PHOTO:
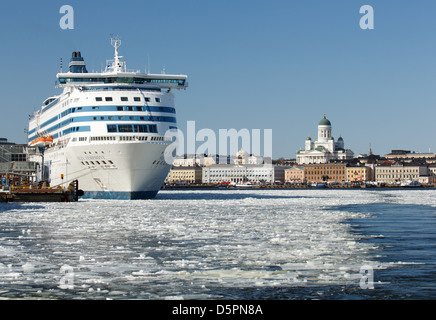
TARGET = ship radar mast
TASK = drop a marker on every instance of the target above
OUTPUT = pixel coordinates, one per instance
(117, 65)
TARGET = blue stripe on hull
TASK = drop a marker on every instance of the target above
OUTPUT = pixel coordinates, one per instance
(119, 195)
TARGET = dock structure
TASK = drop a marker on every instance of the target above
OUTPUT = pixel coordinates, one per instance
(42, 194)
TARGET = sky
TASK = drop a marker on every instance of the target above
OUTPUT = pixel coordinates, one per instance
(278, 64)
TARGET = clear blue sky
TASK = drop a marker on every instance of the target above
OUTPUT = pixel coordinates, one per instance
(251, 64)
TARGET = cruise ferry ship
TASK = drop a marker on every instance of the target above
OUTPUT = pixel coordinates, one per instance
(107, 130)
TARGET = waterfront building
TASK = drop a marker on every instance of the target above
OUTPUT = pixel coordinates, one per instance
(328, 172)
(294, 174)
(407, 154)
(238, 173)
(195, 160)
(15, 167)
(324, 148)
(358, 173)
(279, 173)
(398, 172)
(242, 157)
(432, 172)
(190, 174)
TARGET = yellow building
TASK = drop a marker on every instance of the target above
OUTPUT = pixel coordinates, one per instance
(294, 174)
(184, 175)
(331, 172)
(358, 173)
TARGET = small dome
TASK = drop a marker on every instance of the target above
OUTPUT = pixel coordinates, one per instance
(309, 138)
(324, 122)
(340, 139)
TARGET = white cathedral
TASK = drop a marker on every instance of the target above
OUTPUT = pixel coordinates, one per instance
(324, 148)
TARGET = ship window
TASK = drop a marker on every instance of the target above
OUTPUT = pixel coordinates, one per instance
(153, 128)
(111, 128)
(110, 118)
(147, 99)
(129, 108)
(101, 118)
(136, 98)
(95, 108)
(141, 118)
(120, 118)
(157, 99)
(138, 108)
(140, 128)
(119, 108)
(124, 99)
(110, 161)
(98, 99)
(108, 98)
(131, 118)
(125, 128)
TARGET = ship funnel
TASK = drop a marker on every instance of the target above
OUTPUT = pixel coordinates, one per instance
(77, 64)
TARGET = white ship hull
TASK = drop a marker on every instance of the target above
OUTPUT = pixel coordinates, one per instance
(130, 170)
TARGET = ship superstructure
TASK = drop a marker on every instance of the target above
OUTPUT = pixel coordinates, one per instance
(107, 129)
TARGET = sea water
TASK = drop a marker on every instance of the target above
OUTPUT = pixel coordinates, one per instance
(224, 244)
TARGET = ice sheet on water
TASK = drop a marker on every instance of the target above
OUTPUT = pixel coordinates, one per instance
(184, 242)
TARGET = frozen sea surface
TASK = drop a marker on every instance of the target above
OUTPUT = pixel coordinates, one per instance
(238, 244)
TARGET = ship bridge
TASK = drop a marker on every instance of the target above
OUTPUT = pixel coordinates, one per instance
(116, 73)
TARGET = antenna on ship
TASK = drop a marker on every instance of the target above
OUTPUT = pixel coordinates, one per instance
(116, 43)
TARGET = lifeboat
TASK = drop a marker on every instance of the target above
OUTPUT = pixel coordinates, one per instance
(42, 141)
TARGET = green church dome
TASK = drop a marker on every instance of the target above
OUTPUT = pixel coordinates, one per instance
(324, 122)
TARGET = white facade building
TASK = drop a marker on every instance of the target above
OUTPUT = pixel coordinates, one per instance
(238, 173)
(325, 148)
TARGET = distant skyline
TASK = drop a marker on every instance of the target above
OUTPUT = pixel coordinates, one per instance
(276, 65)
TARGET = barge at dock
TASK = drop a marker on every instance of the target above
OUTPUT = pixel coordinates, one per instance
(42, 194)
